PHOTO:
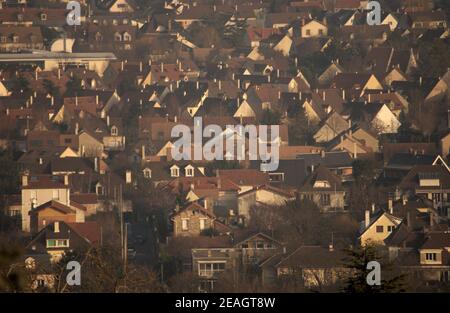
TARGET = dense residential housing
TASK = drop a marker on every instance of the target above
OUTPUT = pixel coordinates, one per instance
(138, 142)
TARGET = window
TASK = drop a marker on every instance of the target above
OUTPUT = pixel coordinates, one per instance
(117, 37)
(15, 39)
(325, 199)
(57, 243)
(147, 173)
(55, 194)
(244, 246)
(99, 190)
(430, 256)
(43, 17)
(308, 32)
(380, 229)
(189, 171)
(175, 171)
(320, 32)
(3, 38)
(260, 245)
(202, 223)
(390, 229)
(184, 224)
(126, 37)
(209, 269)
(114, 131)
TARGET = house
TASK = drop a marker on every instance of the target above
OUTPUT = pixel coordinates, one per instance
(355, 84)
(435, 252)
(52, 211)
(431, 182)
(39, 189)
(246, 179)
(122, 6)
(192, 220)
(314, 266)
(331, 126)
(90, 145)
(430, 19)
(384, 120)
(314, 29)
(17, 38)
(399, 165)
(328, 75)
(230, 254)
(285, 46)
(377, 227)
(440, 90)
(324, 189)
(339, 163)
(264, 195)
(57, 238)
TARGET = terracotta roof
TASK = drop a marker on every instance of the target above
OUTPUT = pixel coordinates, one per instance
(313, 256)
(245, 176)
(194, 206)
(89, 230)
(84, 198)
(54, 205)
(437, 240)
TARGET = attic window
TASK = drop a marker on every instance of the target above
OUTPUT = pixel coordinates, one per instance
(147, 173)
(322, 184)
(174, 171)
(189, 171)
(43, 17)
(114, 131)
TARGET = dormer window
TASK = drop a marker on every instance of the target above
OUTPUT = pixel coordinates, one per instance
(117, 37)
(175, 171)
(147, 173)
(429, 180)
(189, 171)
(114, 131)
(99, 189)
(43, 17)
(321, 184)
(126, 37)
(98, 37)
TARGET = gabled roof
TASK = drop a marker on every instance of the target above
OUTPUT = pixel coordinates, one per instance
(54, 205)
(194, 206)
(312, 256)
(437, 240)
(323, 174)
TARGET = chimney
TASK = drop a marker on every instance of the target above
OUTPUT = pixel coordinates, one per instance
(41, 161)
(322, 153)
(140, 66)
(56, 227)
(107, 120)
(24, 180)
(96, 164)
(143, 152)
(198, 85)
(76, 100)
(355, 152)
(373, 208)
(367, 218)
(404, 199)
(96, 99)
(52, 101)
(331, 247)
(76, 128)
(323, 95)
(343, 94)
(128, 177)
(66, 180)
(121, 66)
(390, 206)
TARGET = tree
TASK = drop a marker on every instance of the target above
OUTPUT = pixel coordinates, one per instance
(301, 132)
(357, 260)
(13, 275)
(50, 88)
(270, 117)
(9, 173)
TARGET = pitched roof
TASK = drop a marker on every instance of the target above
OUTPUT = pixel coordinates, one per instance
(322, 174)
(245, 176)
(437, 240)
(54, 205)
